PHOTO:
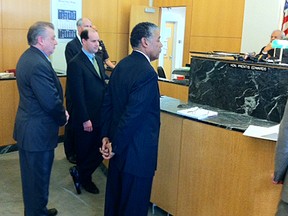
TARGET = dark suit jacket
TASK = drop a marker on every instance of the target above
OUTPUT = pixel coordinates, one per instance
(86, 89)
(72, 49)
(281, 156)
(132, 115)
(40, 111)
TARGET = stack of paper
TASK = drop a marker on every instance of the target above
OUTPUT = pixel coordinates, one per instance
(197, 113)
(5, 75)
(269, 133)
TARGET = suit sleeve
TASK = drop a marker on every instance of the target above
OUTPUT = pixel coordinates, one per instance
(281, 151)
(139, 102)
(106, 111)
(76, 87)
(68, 53)
(44, 87)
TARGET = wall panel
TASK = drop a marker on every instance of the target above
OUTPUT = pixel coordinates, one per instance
(224, 173)
(102, 15)
(207, 44)
(1, 36)
(112, 23)
(217, 18)
(15, 43)
(122, 48)
(9, 101)
(19, 14)
(210, 25)
(110, 41)
(124, 16)
(172, 3)
(1, 52)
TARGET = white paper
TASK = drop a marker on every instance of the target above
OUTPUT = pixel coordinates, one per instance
(269, 133)
(197, 113)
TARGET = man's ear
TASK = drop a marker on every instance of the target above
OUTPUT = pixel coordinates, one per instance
(40, 39)
(144, 42)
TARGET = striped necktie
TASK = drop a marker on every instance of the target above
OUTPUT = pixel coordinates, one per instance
(96, 67)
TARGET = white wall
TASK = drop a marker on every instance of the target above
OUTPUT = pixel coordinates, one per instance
(58, 57)
(261, 17)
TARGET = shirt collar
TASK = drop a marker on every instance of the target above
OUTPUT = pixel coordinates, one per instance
(89, 55)
(79, 38)
(143, 54)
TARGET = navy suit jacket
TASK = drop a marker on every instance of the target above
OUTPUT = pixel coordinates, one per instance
(40, 111)
(132, 115)
(85, 89)
(72, 48)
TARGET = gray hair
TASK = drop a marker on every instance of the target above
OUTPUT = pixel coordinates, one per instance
(79, 22)
(36, 30)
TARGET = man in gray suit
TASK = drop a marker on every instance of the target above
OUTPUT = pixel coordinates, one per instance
(40, 113)
(281, 164)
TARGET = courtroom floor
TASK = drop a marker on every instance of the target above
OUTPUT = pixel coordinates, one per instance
(62, 193)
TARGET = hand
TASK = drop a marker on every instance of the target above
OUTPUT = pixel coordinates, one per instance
(88, 126)
(275, 182)
(106, 149)
(268, 47)
(67, 116)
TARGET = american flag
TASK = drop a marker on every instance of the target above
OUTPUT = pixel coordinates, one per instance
(285, 19)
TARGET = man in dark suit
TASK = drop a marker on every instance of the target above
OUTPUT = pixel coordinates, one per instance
(86, 87)
(267, 50)
(131, 116)
(281, 164)
(40, 113)
(71, 50)
(74, 46)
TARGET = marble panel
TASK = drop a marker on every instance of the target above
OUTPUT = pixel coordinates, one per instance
(254, 89)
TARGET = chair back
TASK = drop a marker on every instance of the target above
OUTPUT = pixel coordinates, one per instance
(161, 72)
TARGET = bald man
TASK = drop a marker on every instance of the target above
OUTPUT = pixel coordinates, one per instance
(268, 50)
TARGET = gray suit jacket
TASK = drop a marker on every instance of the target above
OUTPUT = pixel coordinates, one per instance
(281, 155)
(40, 111)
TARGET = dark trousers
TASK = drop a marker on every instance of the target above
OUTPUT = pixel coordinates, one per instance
(282, 209)
(126, 194)
(35, 175)
(69, 140)
(88, 155)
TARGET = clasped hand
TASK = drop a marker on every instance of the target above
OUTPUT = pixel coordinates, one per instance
(106, 149)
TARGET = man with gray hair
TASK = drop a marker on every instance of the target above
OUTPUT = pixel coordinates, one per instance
(75, 45)
(40, 114)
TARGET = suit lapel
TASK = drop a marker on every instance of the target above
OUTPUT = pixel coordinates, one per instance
(90, 66)
(56, 79)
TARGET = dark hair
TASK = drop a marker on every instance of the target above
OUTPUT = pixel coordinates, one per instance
(84, 34)
(36, 30)
(143, 29)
